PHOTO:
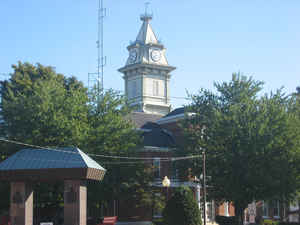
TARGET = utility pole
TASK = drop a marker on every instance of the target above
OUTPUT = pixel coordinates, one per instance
(204, 187)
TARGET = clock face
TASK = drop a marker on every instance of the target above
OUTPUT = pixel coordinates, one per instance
(155, 55)
(132, 55)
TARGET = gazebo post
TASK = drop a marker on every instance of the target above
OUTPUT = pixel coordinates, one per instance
(75, 202)
(21, 203)
(70, 165)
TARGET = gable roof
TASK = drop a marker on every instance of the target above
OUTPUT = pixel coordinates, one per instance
(156, 136)
(177, 111)
(172, 117)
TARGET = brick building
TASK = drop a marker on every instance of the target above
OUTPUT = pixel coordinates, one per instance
(147, 75)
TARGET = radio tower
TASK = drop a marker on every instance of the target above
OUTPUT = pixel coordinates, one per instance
(95, 80)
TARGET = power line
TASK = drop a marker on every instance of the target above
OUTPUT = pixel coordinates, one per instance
(103, 156)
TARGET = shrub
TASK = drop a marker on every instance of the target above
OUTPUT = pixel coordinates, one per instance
(226, 220)
(182, 209)
(267, 222)
(288, 223)
(270, 222)
(158, 221)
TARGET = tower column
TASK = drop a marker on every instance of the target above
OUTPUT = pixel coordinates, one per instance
(75, 202)
(21, 203)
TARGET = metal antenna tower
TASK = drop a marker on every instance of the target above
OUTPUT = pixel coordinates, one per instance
(95, 80)
(4, 74)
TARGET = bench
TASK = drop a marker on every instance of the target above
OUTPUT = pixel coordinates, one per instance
(109, 220)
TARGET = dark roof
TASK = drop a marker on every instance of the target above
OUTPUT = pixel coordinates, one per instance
(139, 118)
(176, 112)
(157, 136)
(43, 164)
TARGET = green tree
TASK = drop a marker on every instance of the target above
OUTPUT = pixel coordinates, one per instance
(44, 108)
(182, 208)
(112, 134)
(41, 107)
(252, 143)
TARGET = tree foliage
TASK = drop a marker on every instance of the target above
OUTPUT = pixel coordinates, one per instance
(182, 208)
(251, 142)
(41, 107)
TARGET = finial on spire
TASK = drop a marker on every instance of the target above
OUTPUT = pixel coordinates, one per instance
(147, 16)
(146, 7)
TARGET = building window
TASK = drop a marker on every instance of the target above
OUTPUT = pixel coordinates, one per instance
(265, 208)
(155, 88)
(156, 165)
(175, 172)
(275, 205)
(210, 211)
(292, 207)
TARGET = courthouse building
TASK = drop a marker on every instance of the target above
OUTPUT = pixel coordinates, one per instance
(147, 75)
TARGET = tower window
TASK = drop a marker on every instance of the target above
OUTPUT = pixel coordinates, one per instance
(155, 88)
(133, 89)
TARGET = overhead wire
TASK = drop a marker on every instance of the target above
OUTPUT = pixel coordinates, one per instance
(144, 159)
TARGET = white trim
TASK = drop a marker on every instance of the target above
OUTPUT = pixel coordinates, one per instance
(175, 118)
(226, 208)
(156, 149)
(170, 119)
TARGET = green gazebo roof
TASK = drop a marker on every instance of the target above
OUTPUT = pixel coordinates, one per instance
(50, 164)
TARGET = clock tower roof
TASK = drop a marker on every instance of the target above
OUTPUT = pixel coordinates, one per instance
(147, 72)
(146, 49)
(146, 34)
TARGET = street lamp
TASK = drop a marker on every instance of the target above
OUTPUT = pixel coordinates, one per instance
(166, 183)
(198, 191)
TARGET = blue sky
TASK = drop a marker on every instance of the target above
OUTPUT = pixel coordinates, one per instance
(205, 40)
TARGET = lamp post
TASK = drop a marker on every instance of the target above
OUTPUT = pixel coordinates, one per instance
(166, 183)
(198, 192)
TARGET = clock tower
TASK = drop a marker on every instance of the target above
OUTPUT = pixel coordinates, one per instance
(147, 72)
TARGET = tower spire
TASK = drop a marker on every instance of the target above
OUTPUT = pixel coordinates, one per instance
(147, 72)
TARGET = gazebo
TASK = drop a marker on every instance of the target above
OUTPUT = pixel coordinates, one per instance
(70, 165)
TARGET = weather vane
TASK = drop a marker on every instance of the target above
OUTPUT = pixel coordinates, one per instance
(146, 7)
(147, 16)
